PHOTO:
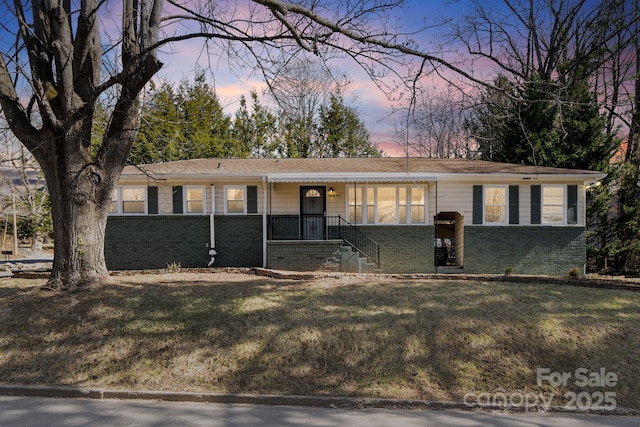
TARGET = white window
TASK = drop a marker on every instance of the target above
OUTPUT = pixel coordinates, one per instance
(402, 205)
(354, 205)
(418, 204)
(371, 205)
(134, 200)
(235, 199)
(386, 205)
(113, 205)
(553, 204)
(128, 200)
(195, 199)
(495, 205)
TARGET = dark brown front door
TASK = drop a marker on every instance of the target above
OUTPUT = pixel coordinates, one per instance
(313, 206)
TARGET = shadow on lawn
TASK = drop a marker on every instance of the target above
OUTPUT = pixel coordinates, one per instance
(428, 340)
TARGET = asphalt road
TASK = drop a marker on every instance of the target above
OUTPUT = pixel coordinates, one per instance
(42, 411)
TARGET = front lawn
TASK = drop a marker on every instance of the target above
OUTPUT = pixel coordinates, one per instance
(352, 336)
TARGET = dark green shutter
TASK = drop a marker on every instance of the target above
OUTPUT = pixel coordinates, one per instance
(477, 204)
(252, 199)
(152, 194)
(572, 204)
(536, 204)
(177, 199)
(514, 204)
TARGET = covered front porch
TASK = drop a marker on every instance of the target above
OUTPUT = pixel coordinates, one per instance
(321, 223)
(319, 243)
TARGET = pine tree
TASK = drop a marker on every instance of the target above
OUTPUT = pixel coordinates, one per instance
(341, 133)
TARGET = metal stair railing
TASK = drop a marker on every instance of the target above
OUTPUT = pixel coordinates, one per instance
(340, 228)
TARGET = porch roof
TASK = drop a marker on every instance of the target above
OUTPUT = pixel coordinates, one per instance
(353, 177)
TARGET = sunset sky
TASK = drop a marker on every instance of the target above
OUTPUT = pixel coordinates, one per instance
(374, 108)
(182, 60)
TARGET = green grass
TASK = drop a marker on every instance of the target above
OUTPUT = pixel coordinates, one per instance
(377, 337)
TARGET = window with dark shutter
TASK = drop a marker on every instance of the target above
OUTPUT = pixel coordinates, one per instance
(252, 199)
(152, 193)
(514, 204)
(177, 199)
(536, 204)
(477, 204)
(572, 204)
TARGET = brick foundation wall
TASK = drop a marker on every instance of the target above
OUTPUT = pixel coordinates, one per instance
(311, 255)
(238, 240)
(140, 242)
(529, 250)
(403, 249)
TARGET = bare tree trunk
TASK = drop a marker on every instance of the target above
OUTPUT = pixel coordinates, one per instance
(79, 230)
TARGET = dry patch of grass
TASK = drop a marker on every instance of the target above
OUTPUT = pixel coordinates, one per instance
(376, 337)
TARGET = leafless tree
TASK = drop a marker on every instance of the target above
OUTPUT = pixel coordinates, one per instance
(556, 41)
(433, 126)
(23, 189)
(67, 54)
(299, 89)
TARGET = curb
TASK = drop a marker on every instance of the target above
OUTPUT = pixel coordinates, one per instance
(274, 400)
(281, 400)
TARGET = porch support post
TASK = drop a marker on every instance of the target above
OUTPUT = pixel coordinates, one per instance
(264, 220)
(435, 225)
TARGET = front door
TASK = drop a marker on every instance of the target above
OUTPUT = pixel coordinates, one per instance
(313, 206)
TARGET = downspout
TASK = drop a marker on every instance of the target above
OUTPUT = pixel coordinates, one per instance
(264, 222)
(212, 228)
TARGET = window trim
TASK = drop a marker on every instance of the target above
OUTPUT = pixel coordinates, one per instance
(185, 200)
(395, 208)
(564, 204)
(244, 200)
(410, 205)
(365, 203)
(505, 220)
(116, 199)
(119, 190)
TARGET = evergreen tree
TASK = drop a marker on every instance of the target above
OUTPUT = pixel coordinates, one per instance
(160, 138)
(545, 124)
(206, 130)
(255, 131)
(341, 133)
(186, 123)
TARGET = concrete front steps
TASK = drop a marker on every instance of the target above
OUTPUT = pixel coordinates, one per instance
(353, 262)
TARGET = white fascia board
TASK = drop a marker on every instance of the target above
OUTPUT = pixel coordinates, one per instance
(205, 178)
(524, 178)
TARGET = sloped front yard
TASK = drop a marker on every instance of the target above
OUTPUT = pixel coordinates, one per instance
(351, 336)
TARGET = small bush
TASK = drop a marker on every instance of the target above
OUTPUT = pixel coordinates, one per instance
(574, 272)
(173, 267)
(508, 271)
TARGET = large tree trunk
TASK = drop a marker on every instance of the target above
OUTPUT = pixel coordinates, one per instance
(79, 230)
(79, 213)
